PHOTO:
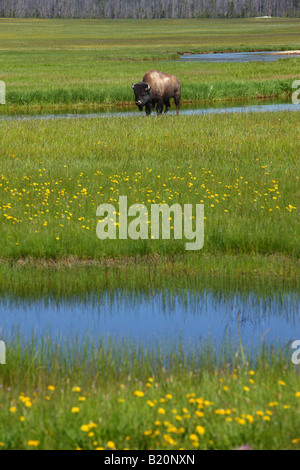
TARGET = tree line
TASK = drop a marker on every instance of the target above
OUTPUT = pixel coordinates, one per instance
(148, 8)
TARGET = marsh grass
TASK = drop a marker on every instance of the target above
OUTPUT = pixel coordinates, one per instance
(108, 397)
(201, 84)
(74, 279)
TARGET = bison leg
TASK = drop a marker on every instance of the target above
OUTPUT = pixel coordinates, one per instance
(167, 106)
(177, 102)
(149, 108)
(160, 107)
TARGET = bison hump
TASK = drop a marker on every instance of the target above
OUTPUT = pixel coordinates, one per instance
(162, 84)
(156, 76)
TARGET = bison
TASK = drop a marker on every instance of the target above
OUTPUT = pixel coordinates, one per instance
(157, 88)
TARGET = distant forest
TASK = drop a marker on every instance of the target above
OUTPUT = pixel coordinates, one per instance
(148, 8)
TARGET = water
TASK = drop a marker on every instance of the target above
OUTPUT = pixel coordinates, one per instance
(158, 318)
(150, 319)
(267, 56)
(186, 109)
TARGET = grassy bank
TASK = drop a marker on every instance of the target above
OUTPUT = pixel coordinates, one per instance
(74, 278)
(243, 168)
(80, 62)
(49, 401)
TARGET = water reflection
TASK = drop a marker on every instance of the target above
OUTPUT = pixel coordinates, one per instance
(267, 56)
(186, 109)
(187, 317)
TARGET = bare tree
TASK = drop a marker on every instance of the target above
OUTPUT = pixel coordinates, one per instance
(148, 8)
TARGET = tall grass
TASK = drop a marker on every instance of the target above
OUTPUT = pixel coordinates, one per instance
(40, 359)
(211, 89)
(74, 279)
(53, 398)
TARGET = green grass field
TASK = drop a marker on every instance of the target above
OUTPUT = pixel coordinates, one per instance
(52, 399)
(79, 62)
(243, 169)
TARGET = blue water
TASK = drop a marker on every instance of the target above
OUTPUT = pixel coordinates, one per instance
(268, 56)
(217, 108)
(157, 318)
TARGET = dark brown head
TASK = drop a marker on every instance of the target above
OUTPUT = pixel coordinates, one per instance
(142, 93)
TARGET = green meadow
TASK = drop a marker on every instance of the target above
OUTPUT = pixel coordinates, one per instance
(110, 397)
(54, 174)
(94, 63)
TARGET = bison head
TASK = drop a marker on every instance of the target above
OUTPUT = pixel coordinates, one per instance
(142, 93)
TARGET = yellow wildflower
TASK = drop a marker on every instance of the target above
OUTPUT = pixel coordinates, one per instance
(33, 443)
(111, 445)
(200, 430)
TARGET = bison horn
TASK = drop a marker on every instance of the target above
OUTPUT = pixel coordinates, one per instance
(148, 87)
(132, 86)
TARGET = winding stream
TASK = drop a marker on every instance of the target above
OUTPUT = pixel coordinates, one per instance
(260, 106)
(264, 56)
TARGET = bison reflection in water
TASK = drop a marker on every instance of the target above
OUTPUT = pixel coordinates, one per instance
(156, 89)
